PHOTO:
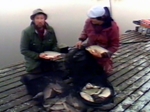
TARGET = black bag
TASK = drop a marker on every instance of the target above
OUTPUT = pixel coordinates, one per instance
(83, 67)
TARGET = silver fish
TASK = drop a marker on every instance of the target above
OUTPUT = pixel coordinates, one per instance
(38, 95)
(97, 48)
(61, 101)
(57, 107)
(48, 92)
(74, 102)
(52, 54)
(69, 108)
(56, 87)
(91, 91)
(86, 96)
(89, 85)
(50, 102)
(105, 93)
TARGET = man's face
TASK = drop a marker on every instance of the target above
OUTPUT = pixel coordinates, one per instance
(39, 20)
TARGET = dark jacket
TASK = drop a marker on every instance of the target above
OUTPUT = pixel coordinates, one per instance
(32, 45)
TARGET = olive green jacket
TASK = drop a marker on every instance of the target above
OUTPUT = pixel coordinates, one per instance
(32, 45)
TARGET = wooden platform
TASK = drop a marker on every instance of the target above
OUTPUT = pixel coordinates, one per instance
(131, 80)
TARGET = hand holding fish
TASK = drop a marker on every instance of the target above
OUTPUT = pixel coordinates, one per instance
(50, 55)
(45, 56)
(55, 58)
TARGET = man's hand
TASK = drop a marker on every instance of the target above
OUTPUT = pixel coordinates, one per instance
(43, 56)
(79, 44)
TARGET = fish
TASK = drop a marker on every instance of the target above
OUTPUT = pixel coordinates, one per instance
(40, 94)
(56, 87)
(52, 54)
(73, 101)
(86, 96)
(61, 101)
(90, 86)
(92, 91)
(97, 48)
(57, 107)
(48, 92)
(69, 108)
(50, 102)
(105, 93)
(56, 111)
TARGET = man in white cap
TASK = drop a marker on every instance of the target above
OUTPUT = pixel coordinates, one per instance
(100, 29)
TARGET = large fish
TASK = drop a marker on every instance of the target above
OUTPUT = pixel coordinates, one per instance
(57, 87)
(92, 91)
(86, 96)
(52, 54)
(97, 48)
(70, 108)
(57, 107)
(73, 101)
(105, 93)
(91, 86)
(49, 92)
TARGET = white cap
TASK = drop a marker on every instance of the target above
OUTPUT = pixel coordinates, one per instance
(96, 11)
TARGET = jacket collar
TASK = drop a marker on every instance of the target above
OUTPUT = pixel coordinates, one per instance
(33, 30)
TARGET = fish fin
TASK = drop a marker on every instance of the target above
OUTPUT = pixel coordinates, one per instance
(38, 95)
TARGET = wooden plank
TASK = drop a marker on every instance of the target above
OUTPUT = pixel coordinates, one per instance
(126, 76)
(119, 57)
(23, 107)
(129, 54)
(134, 48)
(124, 50)
(146, 108)
(13, 96)
(11, 72)
(127, 57)
(129, 37)
(127, 87)
(125, 68)
(34, 109)
(11, 91)
(14, 103)
(7, 82)
(140, 103)
(136, 38)
(7, 69)
(135, 71)
(13, 76)
(129, 101)
(4, 88)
